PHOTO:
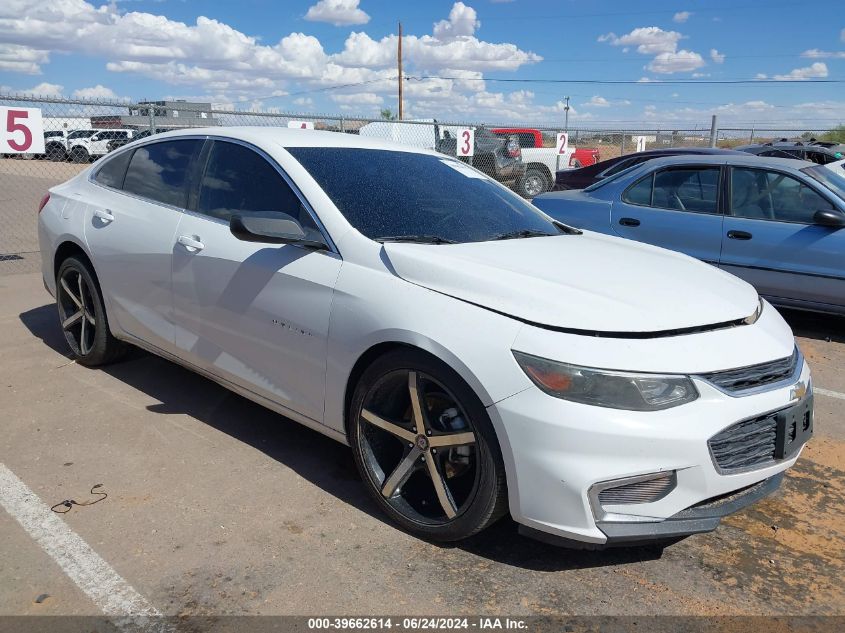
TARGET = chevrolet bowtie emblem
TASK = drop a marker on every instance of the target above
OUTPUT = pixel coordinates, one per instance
(798, 391)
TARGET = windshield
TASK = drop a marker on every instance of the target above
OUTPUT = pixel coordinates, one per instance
(80, 134)
(829, 178)
(385, 194)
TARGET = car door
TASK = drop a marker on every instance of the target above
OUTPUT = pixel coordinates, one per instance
(254, 314)
(770, 238)
(673, 207)
(132, 211)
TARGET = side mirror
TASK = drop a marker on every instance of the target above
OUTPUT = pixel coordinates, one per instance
(270, 227)
(829, 217)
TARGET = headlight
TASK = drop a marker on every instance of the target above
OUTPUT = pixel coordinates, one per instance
(602, 388)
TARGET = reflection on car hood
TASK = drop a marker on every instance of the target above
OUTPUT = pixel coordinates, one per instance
(591, 283)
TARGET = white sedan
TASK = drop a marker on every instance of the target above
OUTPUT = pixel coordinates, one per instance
(478, 357)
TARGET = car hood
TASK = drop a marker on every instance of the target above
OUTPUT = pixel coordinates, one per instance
(590, 282)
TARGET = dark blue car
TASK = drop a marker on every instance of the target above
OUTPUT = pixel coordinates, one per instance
(777, 223)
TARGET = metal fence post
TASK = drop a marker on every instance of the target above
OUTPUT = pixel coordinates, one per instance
(713, 131)
(751, 137)
(152, 119)
(342, 125)
(622, 150)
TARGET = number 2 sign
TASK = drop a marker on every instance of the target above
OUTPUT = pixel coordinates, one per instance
(21, 131)
(466, 141)
(562, 142)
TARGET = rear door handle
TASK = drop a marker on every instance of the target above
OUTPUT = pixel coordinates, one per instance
(629, 222)
(739, 235)
(104, 214)
(192, 243)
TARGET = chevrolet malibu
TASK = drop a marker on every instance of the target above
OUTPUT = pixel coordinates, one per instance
(478, 357)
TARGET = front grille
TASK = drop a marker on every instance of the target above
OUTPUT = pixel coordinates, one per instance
(646, 491)
(747, 444)
(747, 378)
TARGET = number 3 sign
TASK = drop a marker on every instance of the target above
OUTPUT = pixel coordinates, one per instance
(22, 131)
(466, 141)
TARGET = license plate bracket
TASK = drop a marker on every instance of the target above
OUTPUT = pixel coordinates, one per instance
(794, 428)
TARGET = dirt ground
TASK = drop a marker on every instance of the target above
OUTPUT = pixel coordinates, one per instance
(217, 506)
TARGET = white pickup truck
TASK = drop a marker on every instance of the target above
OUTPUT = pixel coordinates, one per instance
(542, 162)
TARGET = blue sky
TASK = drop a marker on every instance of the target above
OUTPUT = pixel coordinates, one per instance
(301, 56)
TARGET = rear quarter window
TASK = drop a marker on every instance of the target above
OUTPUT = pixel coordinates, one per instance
(113, 171)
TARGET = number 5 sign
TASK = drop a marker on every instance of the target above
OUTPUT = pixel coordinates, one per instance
(466, 141)
(21, 131)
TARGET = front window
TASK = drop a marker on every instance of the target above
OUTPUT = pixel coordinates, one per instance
(683, 189)
(385, 193)
(829, 178)
(771, 195)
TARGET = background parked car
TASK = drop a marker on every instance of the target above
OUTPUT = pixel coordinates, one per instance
(586, 176)
(55, 145)
(777, 223)
(541, 163)
(813, 151)
(120, 142)
(497, 157)
(94, 145)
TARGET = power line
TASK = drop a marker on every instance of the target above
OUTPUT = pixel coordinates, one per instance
(613, 82)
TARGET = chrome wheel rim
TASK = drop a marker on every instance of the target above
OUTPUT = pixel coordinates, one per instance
(76, 311)
(533, 186)
(419, 447)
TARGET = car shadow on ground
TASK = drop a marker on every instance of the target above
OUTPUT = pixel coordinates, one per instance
(319, 459)
(821, 327)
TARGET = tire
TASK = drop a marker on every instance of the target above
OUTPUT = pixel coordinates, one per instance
(79, 155)
(56, 153)
(533, 183)
(459, 446)
(82, 315)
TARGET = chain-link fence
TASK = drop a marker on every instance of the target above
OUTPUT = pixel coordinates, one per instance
(78, 132)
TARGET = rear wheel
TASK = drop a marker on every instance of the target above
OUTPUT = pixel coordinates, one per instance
(79, 155)
(533, 183)
(425, 447)
(56, 153)
(82, 315)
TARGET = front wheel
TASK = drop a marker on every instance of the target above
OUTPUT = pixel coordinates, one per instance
(533, 183)
(425, 447)
(79, 155)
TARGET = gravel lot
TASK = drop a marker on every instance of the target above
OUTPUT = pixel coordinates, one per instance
(217, 506)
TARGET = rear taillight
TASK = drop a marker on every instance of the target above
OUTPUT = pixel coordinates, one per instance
(513, 149)
(44, 202)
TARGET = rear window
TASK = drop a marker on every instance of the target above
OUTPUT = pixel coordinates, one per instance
(160, 171)
(112, 172)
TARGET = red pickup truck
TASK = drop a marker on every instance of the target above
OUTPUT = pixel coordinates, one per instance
(542, 162)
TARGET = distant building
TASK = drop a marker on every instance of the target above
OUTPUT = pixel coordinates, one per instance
(165, 115)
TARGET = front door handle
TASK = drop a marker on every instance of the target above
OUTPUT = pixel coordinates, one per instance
(191, 242)
(629, 222)
(739, 235)
(104, 214)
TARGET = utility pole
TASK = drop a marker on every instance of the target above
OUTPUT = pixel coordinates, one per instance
(566, 111)
(399, 57)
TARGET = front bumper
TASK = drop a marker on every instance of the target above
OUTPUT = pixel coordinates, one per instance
(556, 451)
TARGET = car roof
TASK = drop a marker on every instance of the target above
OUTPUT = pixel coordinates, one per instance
(286, 137)
(739, 158)
(687, 150)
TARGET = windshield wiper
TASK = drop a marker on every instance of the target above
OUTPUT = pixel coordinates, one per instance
(418, 239)
(515, 235)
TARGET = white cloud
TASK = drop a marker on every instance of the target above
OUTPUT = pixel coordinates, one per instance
(22, 59)
(358, 98)
(337, 12)
(463, 21)
(816, 70)
(716, 56)
(842, 35)
(95, 92)
(649, 40)
(681, 16)
(41, 90)
(304, 101)
(815, 53)
(597, 102)
(675, 62)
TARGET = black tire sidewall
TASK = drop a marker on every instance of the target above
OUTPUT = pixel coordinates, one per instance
(490, 496)
(100, 350)
(533, 172)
